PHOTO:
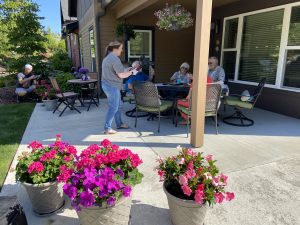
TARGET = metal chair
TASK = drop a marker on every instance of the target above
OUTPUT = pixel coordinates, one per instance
(67, 98)
(235, 102)
(147, 100)
(213, 95)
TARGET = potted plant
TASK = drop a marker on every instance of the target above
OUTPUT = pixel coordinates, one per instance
(191, 182)
(38, 170)
(173, 18)
(47, 94)
(125, 31)
(101, 183)
(84, 73)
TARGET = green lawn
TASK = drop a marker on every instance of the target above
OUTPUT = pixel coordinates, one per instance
(13, 121)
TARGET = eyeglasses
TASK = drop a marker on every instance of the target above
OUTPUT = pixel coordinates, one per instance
(184, 68)
(210, 63)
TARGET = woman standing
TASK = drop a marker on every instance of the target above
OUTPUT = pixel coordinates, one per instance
(113, 73)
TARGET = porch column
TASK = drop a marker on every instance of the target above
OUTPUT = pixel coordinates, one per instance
(201, 51)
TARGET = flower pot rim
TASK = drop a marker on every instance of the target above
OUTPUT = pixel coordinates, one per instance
(39, 185)
(184, 201)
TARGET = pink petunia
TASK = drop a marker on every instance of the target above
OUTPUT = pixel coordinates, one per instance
(183, 180)
(219, 197)
(190, 173)
(180, 161)
(208, 158)
(161, 175)
(223, 179)
(208, 176)
(215, 181)
(186, 190)
(229, 196)
(190, 152)
(199, 197)
(200, 187)
(190, 165)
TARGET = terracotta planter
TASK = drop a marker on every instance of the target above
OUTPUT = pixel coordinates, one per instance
(116, 215)
(45, 198)
(50, 104)
(185, 212)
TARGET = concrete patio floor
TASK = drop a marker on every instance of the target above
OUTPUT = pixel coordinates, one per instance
(262, 161)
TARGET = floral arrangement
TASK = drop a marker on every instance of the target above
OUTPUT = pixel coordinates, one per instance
(190, 176)
(173, 17)
(83, 70)
(45, 91)
(43, 163)
(102, 175)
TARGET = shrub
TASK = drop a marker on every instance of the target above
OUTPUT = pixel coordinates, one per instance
(62, 80)
(61, 61)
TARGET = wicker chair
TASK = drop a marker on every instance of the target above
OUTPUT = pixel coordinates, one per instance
(213, 95)
(147, 100)
(67, 98)
(235, 102)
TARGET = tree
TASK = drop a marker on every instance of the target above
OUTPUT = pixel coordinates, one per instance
(54, 42)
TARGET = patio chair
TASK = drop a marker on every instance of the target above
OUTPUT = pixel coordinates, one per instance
(213, 95)
(238, 118)
(147, 100)
(67, 98)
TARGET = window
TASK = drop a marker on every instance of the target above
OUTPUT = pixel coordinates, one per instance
(92, 51)
(260, 46)
(265, 43)
(292, 62)
(81, 51)
(229, 47)
(140, 46)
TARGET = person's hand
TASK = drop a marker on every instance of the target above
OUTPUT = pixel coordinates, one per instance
(188, 97)
(33, 77)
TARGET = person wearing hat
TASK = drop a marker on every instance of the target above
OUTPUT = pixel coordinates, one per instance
(26, 81)
(182, 76)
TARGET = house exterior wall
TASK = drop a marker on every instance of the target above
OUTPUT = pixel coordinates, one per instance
(86, 19)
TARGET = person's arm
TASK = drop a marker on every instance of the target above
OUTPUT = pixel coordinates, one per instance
(174, 77)
(221, 75)
(189, 95)
(22, 80)
(121, 71)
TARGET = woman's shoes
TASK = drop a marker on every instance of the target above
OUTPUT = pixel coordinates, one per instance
(110, 132)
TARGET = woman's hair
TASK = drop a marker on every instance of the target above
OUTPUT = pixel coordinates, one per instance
(112, 45)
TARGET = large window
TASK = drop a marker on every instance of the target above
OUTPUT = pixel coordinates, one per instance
(92, 50)
(266, 44)
(140, 46)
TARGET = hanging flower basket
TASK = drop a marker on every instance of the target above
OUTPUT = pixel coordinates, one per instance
(173, 18)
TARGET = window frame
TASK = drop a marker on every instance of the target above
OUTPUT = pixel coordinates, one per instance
(91, 29)
(282, 50)
(150, 31)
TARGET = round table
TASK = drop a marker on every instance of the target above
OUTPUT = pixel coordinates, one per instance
(90, 86)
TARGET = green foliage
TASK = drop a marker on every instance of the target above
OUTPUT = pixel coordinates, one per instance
(125, 31)
(54, 42)
(8, 81)
(61, 61)
(62, 80)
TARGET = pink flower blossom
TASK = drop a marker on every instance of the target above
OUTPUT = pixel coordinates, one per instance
(35, 145)
(219, 197)
(106, 143)
(208, 158)
(135, 160)
(223, 179)
(35, 167)
(199, 197)
(215, 181)
(229, 196)
(208, 176)
(48, 155)
(180, 161)
(186, 190)
(161, 175)
(190, 152)
(190, 165)
(190, 173)
(183, 180)
(200, 187)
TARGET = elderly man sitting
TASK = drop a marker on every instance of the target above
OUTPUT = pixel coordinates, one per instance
(140, 76)
(26, 82)
(217, 74)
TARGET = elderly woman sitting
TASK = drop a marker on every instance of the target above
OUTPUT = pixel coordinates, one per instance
(182, 76)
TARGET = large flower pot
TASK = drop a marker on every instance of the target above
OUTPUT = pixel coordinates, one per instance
(116, 215)
(185, 212)
(50, 104)
(45, 198)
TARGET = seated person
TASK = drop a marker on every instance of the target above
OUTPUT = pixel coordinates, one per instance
(182, 76)
(216, 72)
(140, 76)
(26, 83)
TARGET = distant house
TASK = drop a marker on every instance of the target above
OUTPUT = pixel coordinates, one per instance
(253, 39)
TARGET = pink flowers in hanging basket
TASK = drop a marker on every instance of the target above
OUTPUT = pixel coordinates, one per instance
(173, 18)
(190, 176)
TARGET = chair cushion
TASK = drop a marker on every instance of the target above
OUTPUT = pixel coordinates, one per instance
(67, 95)
(129, 99)
(185, 110)
(235, 101)
(165, 105)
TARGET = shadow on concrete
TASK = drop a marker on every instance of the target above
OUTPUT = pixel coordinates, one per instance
(144, 214)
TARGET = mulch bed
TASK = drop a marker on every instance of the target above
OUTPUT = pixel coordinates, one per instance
(7, 95)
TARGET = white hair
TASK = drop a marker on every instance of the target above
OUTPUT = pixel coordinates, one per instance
(136, 64)
(28, 66)
(185, 65)
(214, 58)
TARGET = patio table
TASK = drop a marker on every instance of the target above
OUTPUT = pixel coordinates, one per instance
(90, 86)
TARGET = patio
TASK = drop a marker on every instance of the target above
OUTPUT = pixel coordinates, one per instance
(262, 162)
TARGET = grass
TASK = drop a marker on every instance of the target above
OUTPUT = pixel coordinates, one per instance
(13, 122)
